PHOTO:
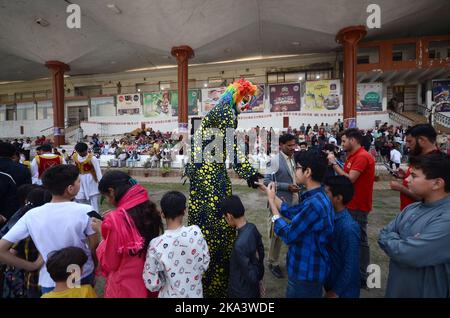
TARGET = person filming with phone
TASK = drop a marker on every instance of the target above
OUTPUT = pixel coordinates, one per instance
(283, 174)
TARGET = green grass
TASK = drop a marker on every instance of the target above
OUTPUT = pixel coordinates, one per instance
(385, 208)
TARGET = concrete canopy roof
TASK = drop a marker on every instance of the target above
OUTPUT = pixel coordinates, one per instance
(143, 33)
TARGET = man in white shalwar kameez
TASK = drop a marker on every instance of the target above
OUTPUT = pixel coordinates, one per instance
(90, 175)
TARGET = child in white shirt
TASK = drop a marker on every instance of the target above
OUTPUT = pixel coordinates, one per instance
(177, 259)
(54, 226)
(396, 158)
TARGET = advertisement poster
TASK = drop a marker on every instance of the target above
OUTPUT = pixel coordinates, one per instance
(369, 97)
(193, 102)
(210, 97)
(157, 104)
(441, 95)
(257, 101)
(284, 97)
(129, 104)
(322, 95)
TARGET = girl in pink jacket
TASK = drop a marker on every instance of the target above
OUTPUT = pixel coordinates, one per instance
(127, 232)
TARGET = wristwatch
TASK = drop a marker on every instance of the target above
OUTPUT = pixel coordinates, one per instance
(275, 217)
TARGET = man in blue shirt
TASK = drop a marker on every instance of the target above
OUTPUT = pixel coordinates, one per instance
(344, 278)
(310, 229)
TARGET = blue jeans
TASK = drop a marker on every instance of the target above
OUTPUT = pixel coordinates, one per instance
(88, 280)
(364, 251)
(303, 289)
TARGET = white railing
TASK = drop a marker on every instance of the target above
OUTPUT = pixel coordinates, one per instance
(405, 121)
(423, 110)
(441, 119)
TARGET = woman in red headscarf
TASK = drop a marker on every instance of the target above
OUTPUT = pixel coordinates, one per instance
(127, 232)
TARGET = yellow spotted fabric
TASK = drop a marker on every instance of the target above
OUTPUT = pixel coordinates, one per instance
(209, 184)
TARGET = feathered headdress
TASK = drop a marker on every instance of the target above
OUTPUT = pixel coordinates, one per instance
(235, 93)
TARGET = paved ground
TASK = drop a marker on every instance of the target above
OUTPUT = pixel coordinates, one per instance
(385, 207)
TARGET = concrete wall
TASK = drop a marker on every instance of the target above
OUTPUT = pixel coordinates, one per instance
(31, 128)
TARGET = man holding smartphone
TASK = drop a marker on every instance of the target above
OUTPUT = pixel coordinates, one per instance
(421, 140)
(283, 174)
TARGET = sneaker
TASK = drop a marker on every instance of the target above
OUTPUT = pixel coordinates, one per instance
(276, 271)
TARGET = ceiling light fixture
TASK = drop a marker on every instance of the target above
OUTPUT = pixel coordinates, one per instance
(296, 43)
(114, 8)
(318, 77)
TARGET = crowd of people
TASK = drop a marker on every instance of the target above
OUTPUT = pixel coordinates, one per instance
(319, 198)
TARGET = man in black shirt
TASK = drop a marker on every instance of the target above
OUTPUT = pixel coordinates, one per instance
(20, 173)
(12, 176)
(9, 202)
(367, 140)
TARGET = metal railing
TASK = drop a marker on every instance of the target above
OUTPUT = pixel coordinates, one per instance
(66, 125)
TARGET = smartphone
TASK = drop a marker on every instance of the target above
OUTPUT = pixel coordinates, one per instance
(94, 214)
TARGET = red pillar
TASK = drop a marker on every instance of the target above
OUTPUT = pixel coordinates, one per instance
(349, 38)
(183, 54)
(58, 69)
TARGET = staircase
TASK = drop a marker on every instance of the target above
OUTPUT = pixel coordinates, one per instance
(420, 119)
(415, 117)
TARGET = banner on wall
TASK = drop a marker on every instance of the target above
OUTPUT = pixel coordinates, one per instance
(210, 98)
(369, 97)
(284, 97)
(129, 104)
(441, 95)
(193, 102)
(322, 95)
(157, 104)
(257, 101)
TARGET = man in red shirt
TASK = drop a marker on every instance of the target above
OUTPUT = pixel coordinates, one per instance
(421, 140)
(360, 169)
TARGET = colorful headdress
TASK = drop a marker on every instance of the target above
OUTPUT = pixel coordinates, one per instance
(236, 92)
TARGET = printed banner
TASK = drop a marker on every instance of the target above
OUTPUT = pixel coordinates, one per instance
(369, 97)
(210, 98)
(129, 104)
(193, 102)
(257, 101)
(322, 95)
(157, 104)
(284, 97)
(441, 95)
